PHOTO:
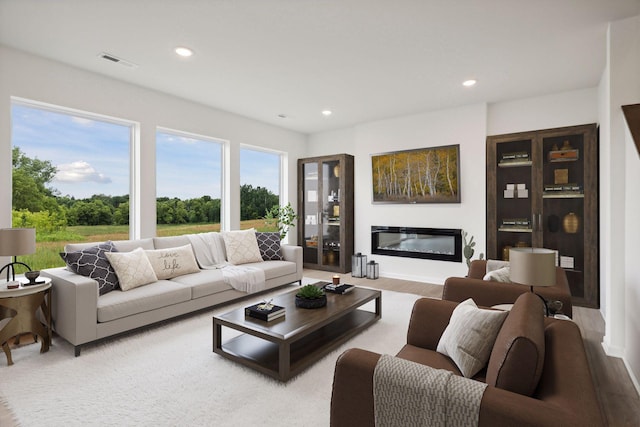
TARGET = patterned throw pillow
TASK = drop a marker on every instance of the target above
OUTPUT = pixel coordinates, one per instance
(173, 262)
(242, 246)
(470, 336)
(269, 245)
(133, 268)
(92, 262)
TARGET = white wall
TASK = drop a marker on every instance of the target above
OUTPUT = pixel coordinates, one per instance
(545, 112)
(35, 78)
(464, 126)
(621, 277)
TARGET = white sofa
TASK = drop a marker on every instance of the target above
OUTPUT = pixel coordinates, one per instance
(81, 316)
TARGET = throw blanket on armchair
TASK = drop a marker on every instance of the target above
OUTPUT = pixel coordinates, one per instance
(209, 251)
(406, 393)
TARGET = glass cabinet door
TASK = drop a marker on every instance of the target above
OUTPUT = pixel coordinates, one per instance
(310, 214)
(331, 213)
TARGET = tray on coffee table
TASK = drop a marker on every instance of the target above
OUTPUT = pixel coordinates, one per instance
(284, 347)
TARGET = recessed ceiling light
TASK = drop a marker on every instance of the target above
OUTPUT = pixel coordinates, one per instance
(469, 83)
(185, 52)
(327, 113)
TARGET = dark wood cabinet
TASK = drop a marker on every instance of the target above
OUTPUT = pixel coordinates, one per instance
(325, 209)
(542, 191)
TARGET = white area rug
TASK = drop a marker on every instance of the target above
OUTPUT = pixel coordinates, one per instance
(168, 375)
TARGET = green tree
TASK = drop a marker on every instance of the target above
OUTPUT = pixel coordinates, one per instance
(30, 179)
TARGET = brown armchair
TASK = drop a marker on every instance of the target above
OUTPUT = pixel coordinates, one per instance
(564, 394)
(488, 293)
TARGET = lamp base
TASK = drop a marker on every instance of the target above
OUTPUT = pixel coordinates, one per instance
(11, 269)
(544, 302)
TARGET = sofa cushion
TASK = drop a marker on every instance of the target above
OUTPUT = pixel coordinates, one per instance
(242, 246)
(269, 245)
(119, 304)
(206, 282)
(274, 269)
(173, 262)
(517, 357)
(92, 262)
(132, 268)
(499, 275)
(170, 241)
(469, 337)
(121, 245)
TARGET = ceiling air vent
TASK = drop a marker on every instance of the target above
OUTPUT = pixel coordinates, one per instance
(115, 59)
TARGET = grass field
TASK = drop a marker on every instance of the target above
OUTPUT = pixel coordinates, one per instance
(49, 246)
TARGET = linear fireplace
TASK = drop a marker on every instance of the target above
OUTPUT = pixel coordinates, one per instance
(442, 244)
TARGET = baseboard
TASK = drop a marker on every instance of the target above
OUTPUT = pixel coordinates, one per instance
(421, 278)
(613, 350)
(634, 379)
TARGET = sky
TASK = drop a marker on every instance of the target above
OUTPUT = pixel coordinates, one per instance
(92, 157)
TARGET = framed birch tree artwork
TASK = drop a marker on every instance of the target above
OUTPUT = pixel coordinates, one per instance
(424, 175)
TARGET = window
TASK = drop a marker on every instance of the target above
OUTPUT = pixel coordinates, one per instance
(71, 178)
(259, 187)
(188, 183)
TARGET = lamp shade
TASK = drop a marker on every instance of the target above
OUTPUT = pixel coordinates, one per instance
(17, 241)
(532, 266)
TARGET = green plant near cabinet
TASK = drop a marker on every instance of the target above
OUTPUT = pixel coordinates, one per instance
(542, 191)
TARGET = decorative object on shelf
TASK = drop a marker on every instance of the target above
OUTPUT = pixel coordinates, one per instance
(282, 217)
(336, 171)
(566, 153)
(467, 248)
(510, 191)
(521, 191)
(373, 270)
(571, 223)
(399, 177)
(505, 252)
(336, 210)
(310, 296)
(359, 265)
(14, 242)
(521, 157)
(561, 176)
(567, 262)
(553, 223)
(533, 267)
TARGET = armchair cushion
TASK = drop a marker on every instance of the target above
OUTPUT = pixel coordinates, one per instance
(470, 336)
(517, 357)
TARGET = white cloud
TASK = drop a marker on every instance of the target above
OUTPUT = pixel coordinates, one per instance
(80, 171)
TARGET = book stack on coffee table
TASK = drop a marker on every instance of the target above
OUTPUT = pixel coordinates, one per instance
(264, 311)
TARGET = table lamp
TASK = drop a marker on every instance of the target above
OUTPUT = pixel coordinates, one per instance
(533, 267)
(14, 242)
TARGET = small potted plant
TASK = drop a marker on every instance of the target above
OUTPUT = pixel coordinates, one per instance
(310, 296)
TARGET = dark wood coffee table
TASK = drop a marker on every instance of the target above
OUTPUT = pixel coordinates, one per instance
(283, 347)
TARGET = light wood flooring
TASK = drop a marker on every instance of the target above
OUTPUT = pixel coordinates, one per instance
(619, 399)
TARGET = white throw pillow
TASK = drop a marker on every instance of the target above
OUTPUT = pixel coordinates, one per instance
(470, 336)
(173, 262)
(499, 275)
(242, 246)
(132, 268)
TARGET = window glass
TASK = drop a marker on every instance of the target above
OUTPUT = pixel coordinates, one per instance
(71, 179)
(259, 187)
(188, 183)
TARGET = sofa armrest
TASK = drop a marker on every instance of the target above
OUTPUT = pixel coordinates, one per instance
(294, 254)
(352, 394)
(74, 305)
(429, 319)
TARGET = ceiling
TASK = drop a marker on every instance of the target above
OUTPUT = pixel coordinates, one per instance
(363, 59)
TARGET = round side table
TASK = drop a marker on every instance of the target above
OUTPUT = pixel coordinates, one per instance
(21, 306)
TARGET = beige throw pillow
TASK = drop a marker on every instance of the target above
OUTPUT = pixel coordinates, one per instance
(173, 262)
(242, 246)
(499, 275)
(470, 335)
(132, 268)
